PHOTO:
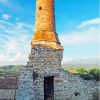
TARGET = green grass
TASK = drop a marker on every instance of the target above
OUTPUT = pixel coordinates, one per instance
(14, 71)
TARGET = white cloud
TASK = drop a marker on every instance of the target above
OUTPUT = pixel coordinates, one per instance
(4, 2)
(67, 60)
(80, 38)
(1, 26)
(88, 34)
(6, 23)
(20, 25)
(17, 47)
(5, 16)
(15, 52)
(18, 58)
(81, 60)
(89, 22)
(16, 40)
(17, 19)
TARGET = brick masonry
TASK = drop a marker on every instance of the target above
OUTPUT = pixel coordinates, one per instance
(45, 30)
(45, 17)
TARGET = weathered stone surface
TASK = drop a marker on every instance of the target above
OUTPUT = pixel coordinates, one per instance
(8, 83)
(7, 94)
(26, 85)
(44, 62)
(45, 31)
(45, 18)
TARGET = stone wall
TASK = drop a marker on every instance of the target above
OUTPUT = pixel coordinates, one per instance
(8, 88)
(46, 62)
(26, 85)
(8, 83)
(7, 94)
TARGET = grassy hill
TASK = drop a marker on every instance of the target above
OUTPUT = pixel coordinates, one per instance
(10, 70)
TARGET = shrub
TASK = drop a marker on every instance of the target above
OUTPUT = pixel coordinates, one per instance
(92, 74)
(82, 71)
(95, 73)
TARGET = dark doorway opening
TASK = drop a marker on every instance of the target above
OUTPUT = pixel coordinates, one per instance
(49, 88)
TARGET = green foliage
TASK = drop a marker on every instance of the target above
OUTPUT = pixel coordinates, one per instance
(92, 74)
(10, 72)
(82, 71)
(95, 73)
(1, 71)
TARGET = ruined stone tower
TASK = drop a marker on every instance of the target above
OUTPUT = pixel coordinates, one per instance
(43, 78)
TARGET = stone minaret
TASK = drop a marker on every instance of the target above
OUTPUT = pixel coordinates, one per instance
(45, 30)
(43, 78)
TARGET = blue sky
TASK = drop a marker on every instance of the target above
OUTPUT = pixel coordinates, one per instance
(77, 24)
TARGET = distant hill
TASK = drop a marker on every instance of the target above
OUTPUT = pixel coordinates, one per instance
(16, 68)
(80, 65)
(83, 63)
(9, 67)
(10, 70)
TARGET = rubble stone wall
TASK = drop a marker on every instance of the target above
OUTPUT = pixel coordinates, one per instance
(8, 86)
(7, 94)
(45, 62)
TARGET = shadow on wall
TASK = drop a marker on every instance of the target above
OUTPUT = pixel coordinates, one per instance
(96, 94)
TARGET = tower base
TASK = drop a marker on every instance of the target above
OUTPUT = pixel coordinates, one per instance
(44, 79)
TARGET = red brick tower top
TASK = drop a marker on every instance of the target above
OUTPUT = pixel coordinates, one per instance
(45, 15)
(45, 31)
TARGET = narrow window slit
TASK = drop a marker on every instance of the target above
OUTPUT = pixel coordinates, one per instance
(77, 93)
(40, 8)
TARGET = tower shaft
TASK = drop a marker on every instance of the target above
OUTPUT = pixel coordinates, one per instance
(45, 19)
(45, 31)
